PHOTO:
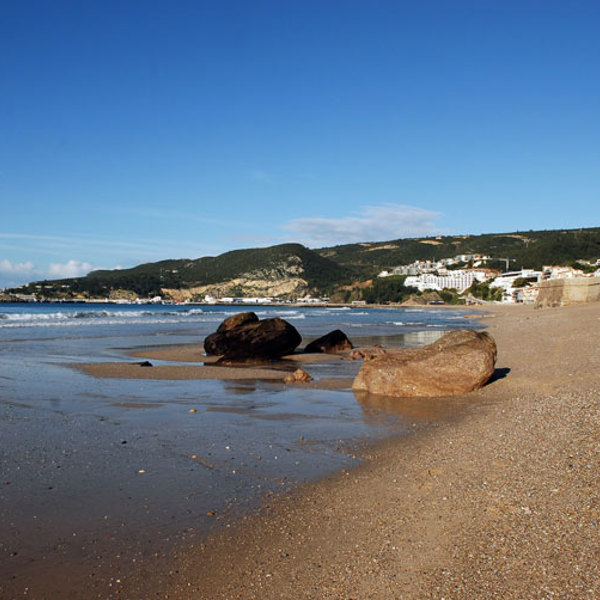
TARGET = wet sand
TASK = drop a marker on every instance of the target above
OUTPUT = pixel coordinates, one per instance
(195, 353)
(502, 503)
(192, 353)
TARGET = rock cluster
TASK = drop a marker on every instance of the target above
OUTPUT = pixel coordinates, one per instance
(244, 336)
(460, 361)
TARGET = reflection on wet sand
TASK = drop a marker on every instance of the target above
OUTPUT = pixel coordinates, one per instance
(239, 388)
(422, 409)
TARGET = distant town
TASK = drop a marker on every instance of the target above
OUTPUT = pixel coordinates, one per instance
(509, 287)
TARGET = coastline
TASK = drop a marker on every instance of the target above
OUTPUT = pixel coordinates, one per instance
(501, 503)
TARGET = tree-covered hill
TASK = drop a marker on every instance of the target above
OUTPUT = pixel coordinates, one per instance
(528, 249)
(271, 264)
(325, 270)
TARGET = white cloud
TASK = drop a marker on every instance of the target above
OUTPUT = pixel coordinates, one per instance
(13, 274)
(10, 268)
(373, 223)
(72, 268)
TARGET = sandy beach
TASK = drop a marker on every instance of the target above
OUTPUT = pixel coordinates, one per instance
(501, 503)
(498, 499)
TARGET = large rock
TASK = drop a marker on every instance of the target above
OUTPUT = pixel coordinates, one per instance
(236, 321)
(266, 339)
(331, 343)
(460, 361)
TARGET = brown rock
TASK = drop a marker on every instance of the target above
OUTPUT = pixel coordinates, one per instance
(461, 361)
(237, 320)
(269, 338)
(333, 342)
(298, 376)
(365, 353)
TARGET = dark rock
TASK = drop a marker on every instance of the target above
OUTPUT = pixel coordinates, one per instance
(236, 321)
(331, 343)
(461, 361)
(269, 338)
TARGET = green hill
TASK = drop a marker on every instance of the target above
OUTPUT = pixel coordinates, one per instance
(325, 270)
(530, 249)
(274, 263)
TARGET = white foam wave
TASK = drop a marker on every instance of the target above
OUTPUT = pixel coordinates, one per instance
(94, 322)
(284, 314)
(103, 317)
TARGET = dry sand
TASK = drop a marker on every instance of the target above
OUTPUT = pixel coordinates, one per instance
(503, 503)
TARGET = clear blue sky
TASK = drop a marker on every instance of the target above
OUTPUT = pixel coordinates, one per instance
(134, 131)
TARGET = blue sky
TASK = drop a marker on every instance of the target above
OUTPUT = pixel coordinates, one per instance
(135, 131)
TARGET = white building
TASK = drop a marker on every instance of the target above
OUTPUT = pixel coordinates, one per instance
(553, 272)
(458, 280)
(506, 281)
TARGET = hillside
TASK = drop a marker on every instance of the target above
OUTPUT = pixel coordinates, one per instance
(291, 270)
(524, 249)
(283, 270)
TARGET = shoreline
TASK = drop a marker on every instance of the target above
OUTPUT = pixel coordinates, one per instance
(501, 503)
(239, 305)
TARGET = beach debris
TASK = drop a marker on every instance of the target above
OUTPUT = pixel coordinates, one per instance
(141, 471)
(145, 363)
(202, 461)
(333, 342)
(193, 410)
(266, 339)
(460, 361)
(298, 376)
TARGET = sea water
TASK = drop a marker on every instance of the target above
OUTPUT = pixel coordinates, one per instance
(132, 462)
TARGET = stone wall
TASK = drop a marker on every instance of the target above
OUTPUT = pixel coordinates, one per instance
(563, 292)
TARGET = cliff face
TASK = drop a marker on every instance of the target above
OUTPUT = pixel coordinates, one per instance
(250, 286)
(279, 280)
(563, 292)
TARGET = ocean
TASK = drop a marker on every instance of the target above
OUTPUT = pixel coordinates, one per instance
(95, 467)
